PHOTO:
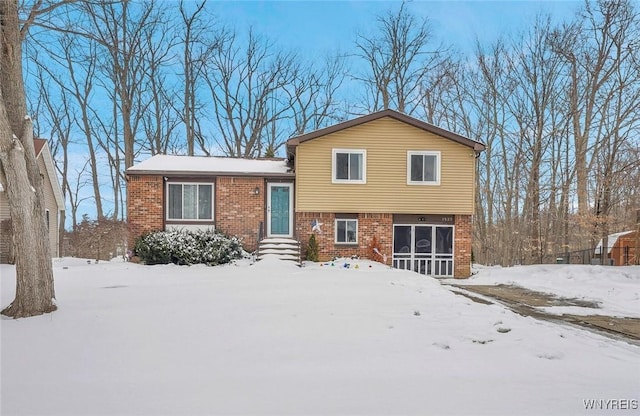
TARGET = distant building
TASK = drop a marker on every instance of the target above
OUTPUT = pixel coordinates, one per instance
(622, 248)
(53, 205)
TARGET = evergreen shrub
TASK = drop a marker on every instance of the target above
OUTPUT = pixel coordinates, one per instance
(188, 247)
(313, 249)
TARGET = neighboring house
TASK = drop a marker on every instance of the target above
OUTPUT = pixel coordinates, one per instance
(622, 248)
(54, 204)
(386, 175)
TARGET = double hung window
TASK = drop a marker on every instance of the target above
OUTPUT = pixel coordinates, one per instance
(346, 231)
(190, 201)
(349, 166)
(423, 168)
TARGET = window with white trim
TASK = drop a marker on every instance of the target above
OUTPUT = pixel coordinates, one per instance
(190, 201)
(423, 168)
(349, 166)
(346, 231)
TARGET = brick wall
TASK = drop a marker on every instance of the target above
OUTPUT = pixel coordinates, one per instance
(144, 205)
(239, 210)
(381, 226)
(369, 225)
(462, 246)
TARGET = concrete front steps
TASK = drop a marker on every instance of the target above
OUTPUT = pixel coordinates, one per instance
(284, 248)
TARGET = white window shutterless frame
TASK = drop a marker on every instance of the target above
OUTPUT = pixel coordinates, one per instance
(349, 166)
(423, 168)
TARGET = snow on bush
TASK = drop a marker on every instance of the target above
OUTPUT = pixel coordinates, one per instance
(188, 247)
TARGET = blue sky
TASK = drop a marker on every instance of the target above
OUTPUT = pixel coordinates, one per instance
(316, 27)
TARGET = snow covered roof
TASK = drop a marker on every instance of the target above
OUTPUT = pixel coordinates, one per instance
(209, 165)
(612, 239)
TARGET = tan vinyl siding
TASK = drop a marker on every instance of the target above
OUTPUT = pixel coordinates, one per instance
(4, 206)
(386, 141)
(50, 204)
(5, 236)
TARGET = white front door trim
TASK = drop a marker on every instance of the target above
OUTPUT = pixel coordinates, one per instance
(271, 185)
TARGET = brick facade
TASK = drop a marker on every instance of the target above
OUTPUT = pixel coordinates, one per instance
(145, 209)
(462, 246)
(369, 225)
(381, 226)
(239, 210)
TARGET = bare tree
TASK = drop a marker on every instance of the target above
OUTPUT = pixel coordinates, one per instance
(77, 59)
(619, 124)
(535, 72)
(592, 48)
(398, 61)
(60, 115)
(121, 28)
(35, 292)
(247, 89)
(195, 45)
(497, 217)
(161, 120)
(313, 94)
(537, 143)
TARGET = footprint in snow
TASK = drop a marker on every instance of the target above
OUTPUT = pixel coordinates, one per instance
(441, 345)
(551, 356)
(483, 341)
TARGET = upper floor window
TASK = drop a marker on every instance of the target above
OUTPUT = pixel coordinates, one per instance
(190, 201)
(349, 166)
(423, 168)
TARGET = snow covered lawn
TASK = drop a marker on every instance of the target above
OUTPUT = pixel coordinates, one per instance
(272, 338)
(616, 289)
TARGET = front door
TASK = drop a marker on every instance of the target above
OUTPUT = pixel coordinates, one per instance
(279, 210)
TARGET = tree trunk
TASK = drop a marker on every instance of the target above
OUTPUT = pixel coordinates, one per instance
(34, 272)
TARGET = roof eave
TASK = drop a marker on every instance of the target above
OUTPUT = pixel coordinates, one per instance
(185, 173)
(45, 153)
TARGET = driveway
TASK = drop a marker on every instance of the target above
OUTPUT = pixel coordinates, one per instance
(528, 302)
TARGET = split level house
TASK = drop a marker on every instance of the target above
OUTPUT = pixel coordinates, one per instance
(53, 204)
(406, 183)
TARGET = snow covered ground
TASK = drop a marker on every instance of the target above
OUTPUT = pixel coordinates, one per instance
(272, 338)
(616, 289)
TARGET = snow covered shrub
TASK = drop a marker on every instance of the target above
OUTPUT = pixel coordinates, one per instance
(188, 247)
(152, 248)
(216, 248)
